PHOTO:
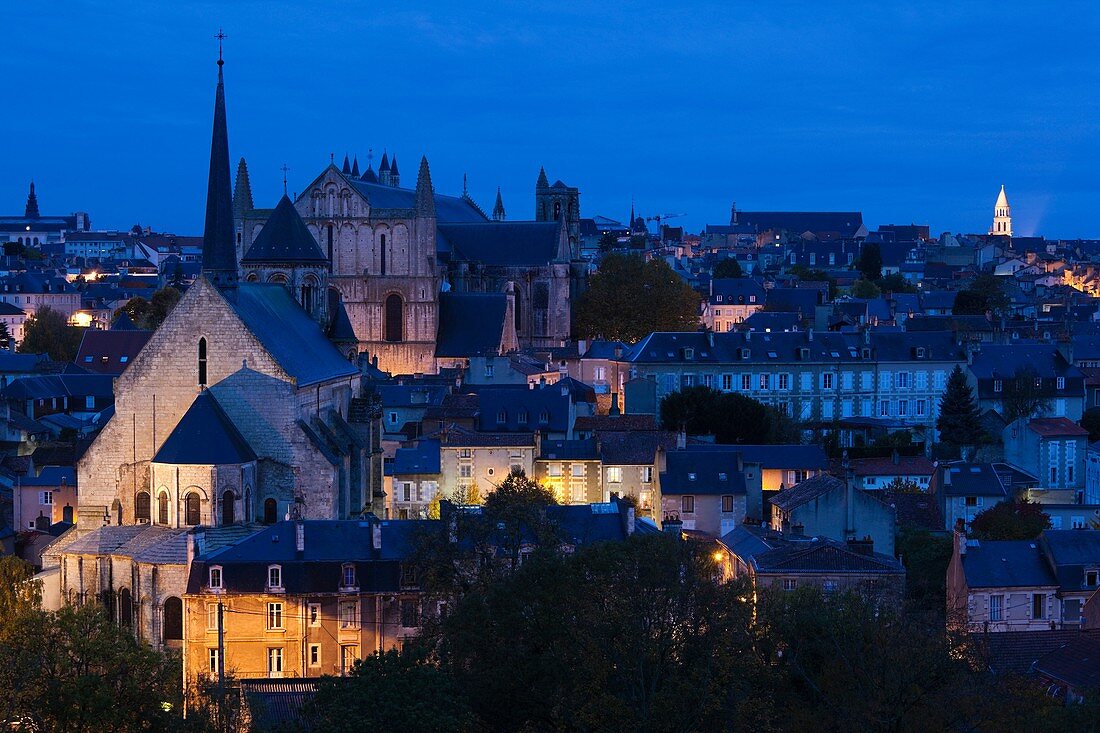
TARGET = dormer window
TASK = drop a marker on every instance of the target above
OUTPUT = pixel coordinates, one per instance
(920, 352)
(1092, 578)
(1061, 382)
(216, 577)
(998, 385)
(347, 576)
(544, 417)
(274, 577)
(689, 354)
(502, 417)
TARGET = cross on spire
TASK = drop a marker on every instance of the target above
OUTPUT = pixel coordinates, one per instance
(221, 37)
(284, 169)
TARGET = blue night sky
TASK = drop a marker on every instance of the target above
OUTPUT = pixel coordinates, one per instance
(911, 113)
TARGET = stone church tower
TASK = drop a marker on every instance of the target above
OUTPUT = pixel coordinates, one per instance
(1002, 216)
(556, 202)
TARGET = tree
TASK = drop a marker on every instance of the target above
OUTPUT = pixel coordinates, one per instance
(629, 298)
(149, 314)
(177, 281)
(984, 294)
(48, 332)
(728, 416)
(1010, 520)
(865, 289)
(390, 691)
(958, 422)
(631, 635)
(5, 336)
(870, 262)
(1090, 421)
(18, 593)
(1022, 396)
(926, 557)
(728, 267)
(895, 282)
(75, 671)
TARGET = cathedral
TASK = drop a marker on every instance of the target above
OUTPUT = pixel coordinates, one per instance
(239, 409)
(420, 280)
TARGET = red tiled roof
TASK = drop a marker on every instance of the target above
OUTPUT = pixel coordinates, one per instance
(1051, 426)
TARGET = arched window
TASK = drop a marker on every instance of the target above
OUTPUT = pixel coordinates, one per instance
(382, 255)
(270, 511)
(330, 244)
(557, 210)
(227, 507)
(248, 504)
(518, 308)
(173, 620)
(141, 506)
(125, 608)
(162, 508)
(191, 513)
(395, 319)
(202, 361)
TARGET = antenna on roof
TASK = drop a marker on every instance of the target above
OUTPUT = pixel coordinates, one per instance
(284, 169)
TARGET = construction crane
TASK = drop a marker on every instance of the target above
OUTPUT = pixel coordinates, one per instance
(661, 217)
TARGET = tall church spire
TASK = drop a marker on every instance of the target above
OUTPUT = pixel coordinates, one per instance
(498, 207)
(395, 175)
(425, 198)
(1002, 216)
(32, 204)
(219, 254)
(242, 192)
(355, 167)
(542, 182)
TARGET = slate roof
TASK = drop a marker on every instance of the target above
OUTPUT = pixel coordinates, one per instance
(46, 386)
(633, 448)
(423, 458)
(793, 300)
(448, 209)
(1015, 652)
(284, 238)
(106, 540)
(287, 332)
(806, 491)
(118, 346)
(772, 552)
(569, 450)
(886, 466)
(470, 324)
(458, 437)
(507, 243)
(967, 479)
(273, 704)
(411, 395)
(784, 456)
(1006, 564)
(693, 471)
(14, 362)
(205, 436)
(841, 223)
(523, 409)
(769, 321)
(1076, 663)
(916, 509)
(1070, 551)
(736, 291)
(51, 476)
(997, 361)
(1049, 427)
(601, 423)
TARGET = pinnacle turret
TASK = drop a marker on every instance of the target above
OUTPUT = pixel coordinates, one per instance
(242, 192)
(425, 198)
(32, 204)
(219, 253)
(498, 207)
(355, 167)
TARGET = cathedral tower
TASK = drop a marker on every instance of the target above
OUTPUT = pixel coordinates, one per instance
(559, 202)
(219, 251)
(32, 204)
(1002, 216)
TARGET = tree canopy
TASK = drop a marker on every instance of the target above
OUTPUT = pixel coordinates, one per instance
(865, 289)
(728, 267)
(984, 294)
(629, 298)
(49, 332)
(149, 314)
(870, 262)
(1022, 395)
(1010, 520)
(728, 416)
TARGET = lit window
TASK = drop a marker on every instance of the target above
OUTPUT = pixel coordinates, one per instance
(687, 504)
(615, 474)
(315, 655)
(275, 662)
(349, 614)
(275, 616)
(996, 608)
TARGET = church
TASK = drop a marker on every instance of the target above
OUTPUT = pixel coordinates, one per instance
(420, 280)
(239, 409)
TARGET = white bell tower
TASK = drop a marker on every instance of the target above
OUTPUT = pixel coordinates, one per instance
(1002, 216)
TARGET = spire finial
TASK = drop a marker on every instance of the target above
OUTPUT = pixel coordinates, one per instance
(284, 169)
(221, 37)
(465, 189)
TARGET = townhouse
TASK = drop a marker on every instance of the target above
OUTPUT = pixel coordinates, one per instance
(813, 377)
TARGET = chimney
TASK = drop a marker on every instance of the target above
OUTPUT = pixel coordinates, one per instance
(710, 339)
(673, 525)
(300, 537)
(947, 475)
(681, 439)
(614, 411)
(865, 546)
(810, 334)
(196, 544)
(376, 533)
(630, 520)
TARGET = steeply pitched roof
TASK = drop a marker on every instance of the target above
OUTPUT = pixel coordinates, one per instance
(807, 491)
(205, 436)
(1006, 564)
(1077, 663)
(284, 238)
(109, 352)
(470, 324)
(292, 338)
(447, 208)
(967, 479)
(691, 471)
(423, 458)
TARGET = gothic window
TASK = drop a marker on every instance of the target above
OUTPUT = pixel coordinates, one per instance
(202, 361)
(227, 507)
(162, 508)
(382, 254)
(518, 310)
(270, 511)
(173, 619)
(394, 319)
(329, 243)
(191, 508)
(248, 503)
(125, 608)
(279, 278)
(557, 210)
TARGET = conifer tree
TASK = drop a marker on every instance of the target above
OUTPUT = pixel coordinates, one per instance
(958, 421)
